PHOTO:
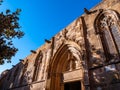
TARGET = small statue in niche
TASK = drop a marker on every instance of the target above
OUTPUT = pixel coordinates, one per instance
(77, 64)
(72, 65)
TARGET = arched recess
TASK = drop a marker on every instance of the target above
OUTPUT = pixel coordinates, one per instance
(107, 26)
(65, 66)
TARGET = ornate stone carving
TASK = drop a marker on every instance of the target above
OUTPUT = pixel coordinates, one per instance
(108, 28)
(72, 64)
(106, 21)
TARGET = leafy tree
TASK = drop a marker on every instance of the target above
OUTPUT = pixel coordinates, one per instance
(9, 29)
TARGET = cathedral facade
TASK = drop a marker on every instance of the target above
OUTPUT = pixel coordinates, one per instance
(83, 56)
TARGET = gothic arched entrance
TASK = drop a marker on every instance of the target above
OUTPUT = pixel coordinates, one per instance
(66, 70)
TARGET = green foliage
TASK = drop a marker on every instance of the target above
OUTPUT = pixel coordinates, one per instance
(9, 29)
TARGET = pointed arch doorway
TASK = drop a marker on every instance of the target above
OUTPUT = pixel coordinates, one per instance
(66, 71)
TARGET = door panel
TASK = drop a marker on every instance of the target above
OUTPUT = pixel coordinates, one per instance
(72, 86)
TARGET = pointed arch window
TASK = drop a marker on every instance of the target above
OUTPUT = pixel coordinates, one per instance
(23, 72)
(9, 75)
(15, 73)
(108, 29)
(37, 64)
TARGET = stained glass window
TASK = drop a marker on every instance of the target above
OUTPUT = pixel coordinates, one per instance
(116, 34)
(110, 35)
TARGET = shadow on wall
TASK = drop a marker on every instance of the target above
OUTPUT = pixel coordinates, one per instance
(105, 73)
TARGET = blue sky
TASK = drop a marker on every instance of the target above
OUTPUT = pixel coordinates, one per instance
(42, 19)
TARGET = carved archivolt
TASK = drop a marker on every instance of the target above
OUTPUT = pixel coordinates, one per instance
(69, 51)
(66, 59)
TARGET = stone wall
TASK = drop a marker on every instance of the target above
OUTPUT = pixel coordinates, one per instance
(26, 75)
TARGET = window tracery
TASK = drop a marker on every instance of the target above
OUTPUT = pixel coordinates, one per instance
(110, 34)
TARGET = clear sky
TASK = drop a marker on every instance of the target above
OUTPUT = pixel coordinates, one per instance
(42, 19)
